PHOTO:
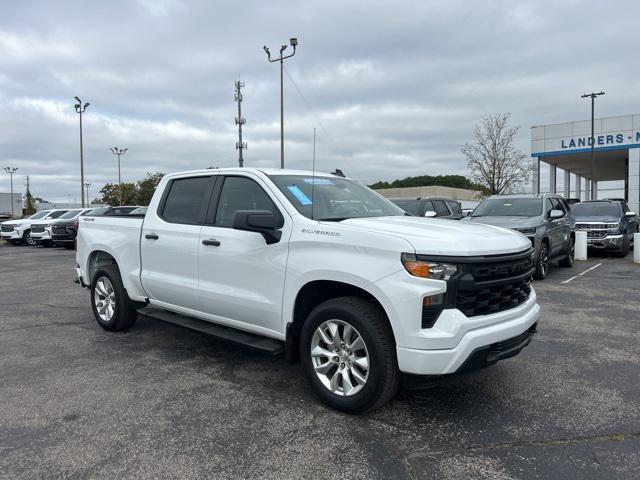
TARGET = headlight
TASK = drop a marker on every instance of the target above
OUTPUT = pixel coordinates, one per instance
(427, 269)
(613, 227)
(529, 232)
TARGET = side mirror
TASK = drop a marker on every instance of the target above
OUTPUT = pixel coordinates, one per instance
(553, 214)
(430, 214)
(261, 221)
(630, 214)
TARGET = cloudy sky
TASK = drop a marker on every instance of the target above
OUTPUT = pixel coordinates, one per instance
(393, 88)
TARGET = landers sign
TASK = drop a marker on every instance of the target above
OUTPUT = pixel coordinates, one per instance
(600, 140)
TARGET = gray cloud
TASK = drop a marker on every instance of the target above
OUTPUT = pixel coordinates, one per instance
(394, 87)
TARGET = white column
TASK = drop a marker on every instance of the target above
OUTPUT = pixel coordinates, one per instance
(587, 189)
(567, 183)
(594, 190)
(578, 187)
(535, 174)
(553, 170)
(634, 180)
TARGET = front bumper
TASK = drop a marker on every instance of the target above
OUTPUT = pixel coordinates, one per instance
(607, 242)
(13, 235)
(41, 236)
(481, 339)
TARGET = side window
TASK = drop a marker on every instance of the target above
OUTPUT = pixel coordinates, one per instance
(455, 207)
(625, 207)
(240, 193)
(185, 200)
(441, 208)
(428, 206)
(548, 206)
(557, 205)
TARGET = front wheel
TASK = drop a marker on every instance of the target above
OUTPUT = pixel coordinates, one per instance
(26, 238)
(542, 264)
(348, 355)
(109, 300)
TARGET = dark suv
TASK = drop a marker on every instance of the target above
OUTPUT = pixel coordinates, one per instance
(440, 207)
(546, 219)
(609, 224)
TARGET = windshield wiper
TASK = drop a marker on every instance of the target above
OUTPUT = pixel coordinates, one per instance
(332, 219)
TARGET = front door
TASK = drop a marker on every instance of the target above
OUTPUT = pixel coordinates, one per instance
(169, 243)
(241, 276)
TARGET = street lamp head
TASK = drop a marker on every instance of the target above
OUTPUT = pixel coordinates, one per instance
(293, 41)
(78, 99)
(77, 107)
(125, 150)
(86, 105)
(600, 93)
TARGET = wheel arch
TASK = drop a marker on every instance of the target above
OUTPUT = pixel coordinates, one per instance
(312, 294)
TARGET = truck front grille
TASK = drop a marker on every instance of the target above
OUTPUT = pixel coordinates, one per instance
(37, 229)
(7, 228)
(59, 230)
(596, 234)
(493, 299)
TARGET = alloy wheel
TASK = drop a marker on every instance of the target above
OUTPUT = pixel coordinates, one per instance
(340, 357)
(104, 298)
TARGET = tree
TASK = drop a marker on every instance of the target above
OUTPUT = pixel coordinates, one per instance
(492, 158)
(111, 194)
(147, 187)
(29, 204)
(456, 181)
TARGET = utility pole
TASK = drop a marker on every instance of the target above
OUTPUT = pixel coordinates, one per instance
(240, 145)
(87, 185)
(294, 43)
(11, 171)
(119, 151)
(80, 108)
(593, 96)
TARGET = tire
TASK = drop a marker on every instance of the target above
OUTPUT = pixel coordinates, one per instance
(27, 240)
(567, 262)
(624, 250)
(542, 263)
(119, 312)
(369, 324)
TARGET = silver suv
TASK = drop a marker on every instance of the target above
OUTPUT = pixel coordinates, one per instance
(545, 219)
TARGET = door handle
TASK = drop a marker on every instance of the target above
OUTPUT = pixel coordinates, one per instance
(151, 236)
(211, 241)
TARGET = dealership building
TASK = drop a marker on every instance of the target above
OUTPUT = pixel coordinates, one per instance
(566, 148)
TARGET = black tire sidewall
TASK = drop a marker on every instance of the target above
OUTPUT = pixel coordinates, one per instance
(122, 300)
(539, 273)
(369, 394)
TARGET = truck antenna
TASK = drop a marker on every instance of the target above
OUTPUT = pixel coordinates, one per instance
(313, 172)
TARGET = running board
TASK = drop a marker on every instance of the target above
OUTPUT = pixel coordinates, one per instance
(250, 340)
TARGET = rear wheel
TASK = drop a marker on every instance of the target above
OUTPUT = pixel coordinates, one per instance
(542, 264)
(568, 260)
(624, 250)
(348, 355)
(109, 300)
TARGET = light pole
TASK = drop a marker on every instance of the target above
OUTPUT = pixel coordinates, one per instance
(593, 141)
(80, 108)
(11, 171)
(294, 43)
(119, 151)
(87, 185)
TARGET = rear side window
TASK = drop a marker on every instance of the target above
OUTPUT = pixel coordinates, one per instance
(240, 193)
(409, 206)
(428, 206)
(186, 199)
(441, 208)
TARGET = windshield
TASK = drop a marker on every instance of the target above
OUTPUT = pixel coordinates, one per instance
(41, 214)
(409, 206)
(70, 214)
(595, 210)
(507, 207)
(333, 198)
(57, 214)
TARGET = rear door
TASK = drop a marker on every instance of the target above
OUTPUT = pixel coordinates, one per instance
(556, 227)
(241, 276)
(456, 209)
(169, 242)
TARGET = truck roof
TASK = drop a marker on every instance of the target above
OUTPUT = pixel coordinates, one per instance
(266, 171)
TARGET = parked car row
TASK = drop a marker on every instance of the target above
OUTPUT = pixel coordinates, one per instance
(56, 226)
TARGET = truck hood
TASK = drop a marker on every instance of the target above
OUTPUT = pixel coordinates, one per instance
(15, 222)
(444, 237)
(507, 221)
(600, 219)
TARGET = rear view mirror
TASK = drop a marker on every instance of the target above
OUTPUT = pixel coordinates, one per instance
(556, 214)
(261, 221)
(430, 214)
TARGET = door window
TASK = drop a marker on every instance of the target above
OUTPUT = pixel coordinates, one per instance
(186, 200)
(557, 205)
(455, 207)
(240, 193)
(440, 208)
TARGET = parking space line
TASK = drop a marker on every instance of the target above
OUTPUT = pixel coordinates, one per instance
(582, 273)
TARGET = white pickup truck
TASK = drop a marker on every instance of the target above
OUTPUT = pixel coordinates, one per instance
(320, 268)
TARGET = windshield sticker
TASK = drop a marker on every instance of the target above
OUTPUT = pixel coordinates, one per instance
(299, 194)
(318, 181)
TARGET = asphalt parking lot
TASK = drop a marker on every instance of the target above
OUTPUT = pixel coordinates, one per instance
(161, 402)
